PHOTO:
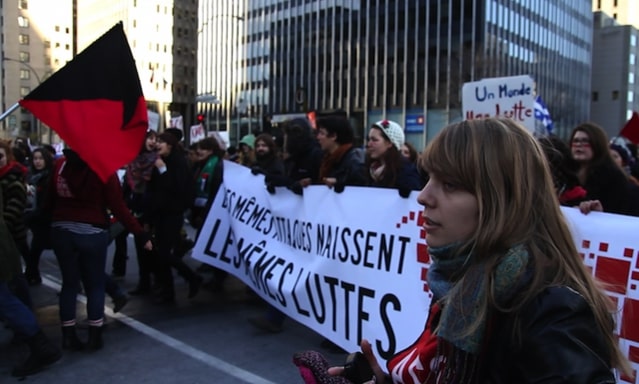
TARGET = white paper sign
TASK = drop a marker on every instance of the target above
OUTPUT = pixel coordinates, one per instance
(197, 133)
(511, 97)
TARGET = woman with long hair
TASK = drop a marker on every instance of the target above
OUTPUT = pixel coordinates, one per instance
(37, 218)
(512, 300)
(387, 167)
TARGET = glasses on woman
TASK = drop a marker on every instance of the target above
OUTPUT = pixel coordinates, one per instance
(584, 141)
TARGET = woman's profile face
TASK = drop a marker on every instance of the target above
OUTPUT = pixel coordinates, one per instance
(451, 214)
(163, 148)
(616, 157)
(377, 144)
(581, 148)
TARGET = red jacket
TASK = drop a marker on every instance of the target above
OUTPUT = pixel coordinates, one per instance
(79, 195)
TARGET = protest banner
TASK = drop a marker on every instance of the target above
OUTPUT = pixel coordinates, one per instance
(511, 97)
(353, 265)
(197, 133)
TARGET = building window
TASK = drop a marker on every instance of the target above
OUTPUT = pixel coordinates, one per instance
(633, 40)
(24, 91)
(615, 3)
(23, 22)
(23, 39)
(631, 78)
(57, 28)
(47, 44)
(25, 74)
(631, 96)
(614, 15)
(25, 57)
(23, 4)
(595, 96)
(632, 59)
(615, 95)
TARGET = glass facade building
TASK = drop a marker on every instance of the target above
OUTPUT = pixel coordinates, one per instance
(399, 60)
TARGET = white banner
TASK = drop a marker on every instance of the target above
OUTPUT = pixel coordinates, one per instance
(353, 265)
(512, 97)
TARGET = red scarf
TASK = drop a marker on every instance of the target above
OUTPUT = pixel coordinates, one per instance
(330, 160)
(11, 166)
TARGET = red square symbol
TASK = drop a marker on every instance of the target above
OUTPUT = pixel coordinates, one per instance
(603, 247)
(585, 244)
(629, 329)
(422, 253)
(627, 252)
(412, 216)
(404, 219)
(613, 272)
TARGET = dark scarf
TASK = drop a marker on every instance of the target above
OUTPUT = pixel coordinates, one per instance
(443, 276)
(139, 171)
(330, 160)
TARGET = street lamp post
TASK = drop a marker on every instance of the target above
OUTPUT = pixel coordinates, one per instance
(34, 121)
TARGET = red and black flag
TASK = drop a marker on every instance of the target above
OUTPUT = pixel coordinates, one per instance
(631, 129)
(95, 103)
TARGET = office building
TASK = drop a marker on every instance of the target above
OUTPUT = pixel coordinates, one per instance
(37, 39)
(625, 12)
(404, 60)
(162, 38)
(615, 93)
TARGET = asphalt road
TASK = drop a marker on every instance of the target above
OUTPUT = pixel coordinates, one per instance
(203, 340)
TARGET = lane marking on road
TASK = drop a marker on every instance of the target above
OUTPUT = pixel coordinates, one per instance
(211, 361)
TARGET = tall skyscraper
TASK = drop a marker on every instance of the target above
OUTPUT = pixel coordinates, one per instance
(615, 91)
(162, 38)
(626, 12)
(37, 39)
(404, 59)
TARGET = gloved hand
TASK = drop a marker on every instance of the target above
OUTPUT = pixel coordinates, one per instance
(270, 187)
(256, 170)
(404, 192)
(339, 187)
(296, 188)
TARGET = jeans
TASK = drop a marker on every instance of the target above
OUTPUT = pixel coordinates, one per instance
(81, 257)
(16, 314)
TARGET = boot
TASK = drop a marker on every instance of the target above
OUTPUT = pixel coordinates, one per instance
(70, 339)
(42, 354)
(95, 338)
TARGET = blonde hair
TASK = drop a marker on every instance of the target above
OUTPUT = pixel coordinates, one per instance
(502, 164)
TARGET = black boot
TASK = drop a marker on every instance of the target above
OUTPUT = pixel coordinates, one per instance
(42, 354)
(95, 338)
(70, 339)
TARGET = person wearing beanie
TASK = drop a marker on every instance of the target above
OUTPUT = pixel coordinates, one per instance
(621, 156)
(387, 168)
(247, 150)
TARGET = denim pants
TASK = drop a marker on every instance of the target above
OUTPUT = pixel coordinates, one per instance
(81, 257)
(16, 314)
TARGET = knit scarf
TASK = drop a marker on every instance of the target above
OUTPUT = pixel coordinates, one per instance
(448, 267)
(330, 160)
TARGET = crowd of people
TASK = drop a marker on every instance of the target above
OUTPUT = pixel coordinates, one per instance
(495, 272)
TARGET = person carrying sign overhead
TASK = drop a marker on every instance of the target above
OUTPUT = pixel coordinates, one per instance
(507, 287)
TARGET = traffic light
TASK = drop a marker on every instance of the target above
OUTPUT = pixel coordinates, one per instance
(200, 118)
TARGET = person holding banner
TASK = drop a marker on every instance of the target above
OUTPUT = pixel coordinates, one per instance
(512, 299)
(604, 182)
(387, 168)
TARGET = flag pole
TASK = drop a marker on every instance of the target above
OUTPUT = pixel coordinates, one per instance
(9, 111)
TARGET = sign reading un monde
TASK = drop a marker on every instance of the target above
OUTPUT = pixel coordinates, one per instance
(510, 97)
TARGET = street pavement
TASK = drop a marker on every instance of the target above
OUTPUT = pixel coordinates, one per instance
(202, 340)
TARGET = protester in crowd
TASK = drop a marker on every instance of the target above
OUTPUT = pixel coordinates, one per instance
(136, 194)
(302, 157)
(171, 190)
(387, 168)
(301, 169)
(409, 152)
(231, 154)
(603, 181)
(80, 237)
(563, 169)
(38, 219)
(208, 178)
(623, 159)
(247, 150)
(343, 163)
(267, 158)
(16, 315)
(12, 183)
(21, 151)
(506, 287)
